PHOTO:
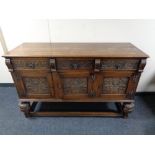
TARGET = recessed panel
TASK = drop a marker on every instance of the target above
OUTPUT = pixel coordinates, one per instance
(36, 85)
(75, 85)
(114, 85)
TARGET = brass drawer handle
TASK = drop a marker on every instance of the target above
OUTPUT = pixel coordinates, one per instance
(118, 66)
(31, 65)
(75, 66)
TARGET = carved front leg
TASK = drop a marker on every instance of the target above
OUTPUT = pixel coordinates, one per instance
(127, 108)
(25, 107)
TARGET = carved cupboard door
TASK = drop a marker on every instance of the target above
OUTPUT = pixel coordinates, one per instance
(75, 86)
(34, 84)
(115, 85)
(118, 79)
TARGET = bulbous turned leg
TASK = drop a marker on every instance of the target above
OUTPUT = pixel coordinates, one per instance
(25, 107)
(127, 108)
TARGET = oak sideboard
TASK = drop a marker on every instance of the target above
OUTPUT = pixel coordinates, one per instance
(84, 73)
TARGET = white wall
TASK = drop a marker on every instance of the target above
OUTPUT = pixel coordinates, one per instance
(139, 32)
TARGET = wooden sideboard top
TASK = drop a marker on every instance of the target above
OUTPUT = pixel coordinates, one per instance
(113, 50)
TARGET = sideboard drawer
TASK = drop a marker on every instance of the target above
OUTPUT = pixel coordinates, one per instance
(74, 64)
(119, 64)
(30, 63)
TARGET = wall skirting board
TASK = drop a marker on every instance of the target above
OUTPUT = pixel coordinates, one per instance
(137, 93)
(7, 85)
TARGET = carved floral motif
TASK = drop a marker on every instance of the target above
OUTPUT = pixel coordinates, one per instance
(29, 64)
(36, 85)
(119, 64)
(75, 85)
(114, 85)
(74, 64)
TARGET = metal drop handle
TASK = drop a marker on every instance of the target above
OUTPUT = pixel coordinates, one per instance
(31, 65)
(75, 66)
(118, 66)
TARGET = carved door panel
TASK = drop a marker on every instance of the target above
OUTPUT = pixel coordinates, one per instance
(115, 85)
(76, 86)
(33, 84)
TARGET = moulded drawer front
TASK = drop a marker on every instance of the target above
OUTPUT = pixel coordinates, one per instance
(74, 64)
(119, 64)
(30, 63)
